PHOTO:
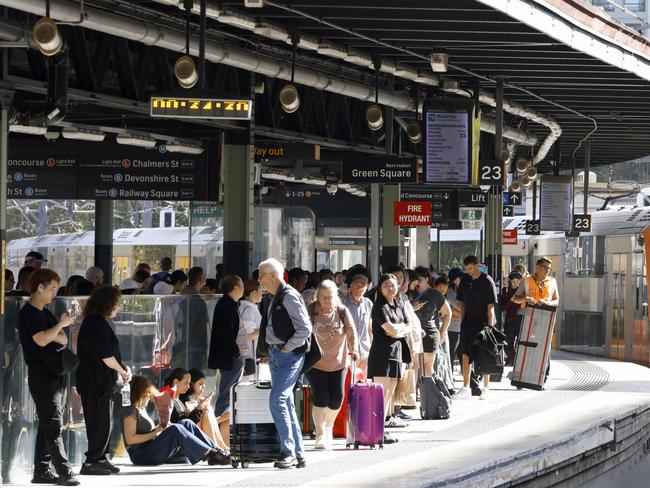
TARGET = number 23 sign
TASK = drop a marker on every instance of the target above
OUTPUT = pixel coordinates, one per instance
(491, 173)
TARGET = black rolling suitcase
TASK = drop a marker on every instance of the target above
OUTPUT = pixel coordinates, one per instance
(253, 435)
(534, 347)
(435, 400)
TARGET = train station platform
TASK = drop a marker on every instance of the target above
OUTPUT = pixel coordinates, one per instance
(593, 416)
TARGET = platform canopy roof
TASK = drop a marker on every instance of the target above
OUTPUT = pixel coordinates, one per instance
(562, 60)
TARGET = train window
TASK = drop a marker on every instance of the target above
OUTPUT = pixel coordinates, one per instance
(585, 256)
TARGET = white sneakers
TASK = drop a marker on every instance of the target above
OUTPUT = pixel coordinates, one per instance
(485, 393)
(462, 394)
(324, 443)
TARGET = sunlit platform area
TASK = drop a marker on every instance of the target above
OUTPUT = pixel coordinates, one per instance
(593, 416)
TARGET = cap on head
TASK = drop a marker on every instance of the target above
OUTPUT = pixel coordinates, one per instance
(31, 255)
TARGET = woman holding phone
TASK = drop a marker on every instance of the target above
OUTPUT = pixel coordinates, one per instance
(179, 380)
(195, 397)
(429, 306)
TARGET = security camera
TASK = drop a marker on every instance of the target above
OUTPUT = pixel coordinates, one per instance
(332, 188)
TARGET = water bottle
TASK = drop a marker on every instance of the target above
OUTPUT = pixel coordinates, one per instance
(126, 395)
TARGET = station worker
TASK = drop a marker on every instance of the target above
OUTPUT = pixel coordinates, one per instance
(539, 288)
(284, 340)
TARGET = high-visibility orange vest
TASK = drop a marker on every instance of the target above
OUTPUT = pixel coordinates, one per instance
(537, 290)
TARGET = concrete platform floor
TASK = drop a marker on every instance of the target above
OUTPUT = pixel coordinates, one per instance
(484, 443)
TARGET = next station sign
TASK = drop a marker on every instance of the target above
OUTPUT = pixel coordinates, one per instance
(368, 168)
(410, 214)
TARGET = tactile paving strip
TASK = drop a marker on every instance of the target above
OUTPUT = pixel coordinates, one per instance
(586, 377)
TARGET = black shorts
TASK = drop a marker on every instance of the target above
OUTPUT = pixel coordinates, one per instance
(467, 334)
(431, 342)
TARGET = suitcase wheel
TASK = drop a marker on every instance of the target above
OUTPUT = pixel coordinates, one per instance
(245, 465)
(381, 445)
(234, 463)
(347, 446)
(356, 446)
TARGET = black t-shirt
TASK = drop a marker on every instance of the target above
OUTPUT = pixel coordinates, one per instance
(384, 347)
(477, 295)
(429, 314)
(16, 293)
(31, 321)
(96, 342)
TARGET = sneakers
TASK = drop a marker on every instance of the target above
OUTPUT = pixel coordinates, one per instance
(510, 375)
(218, 458)
(286, 462)
(46, 478)
(67, 479)
(94, 469)
(302, 463)
(106, 464)
(484, 394)
(388, 439)
(462, 394)
(395, 423)
(401, 414)
(320, 443)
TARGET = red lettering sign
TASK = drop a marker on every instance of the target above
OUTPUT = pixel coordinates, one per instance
(411, 214)
(510, 237)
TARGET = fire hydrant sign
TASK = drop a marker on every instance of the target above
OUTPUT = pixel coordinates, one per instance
(510, 237)
(411, 214)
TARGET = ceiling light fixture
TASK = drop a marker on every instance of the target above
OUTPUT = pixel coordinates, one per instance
(520, 165)
(515, 187)
(414, 131)
(374, 116)
(331, 50)
(182, 147)
(28, 129)
(186, 72)
(359, 58)
(135, 140)
(237, 20)
(289, 96)
(47, 36)
(439, 62)
(271, 31)
(83, 134)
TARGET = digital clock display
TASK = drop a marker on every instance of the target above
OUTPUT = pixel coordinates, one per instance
(203, 108)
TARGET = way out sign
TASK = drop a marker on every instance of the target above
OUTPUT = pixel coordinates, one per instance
(411, 214)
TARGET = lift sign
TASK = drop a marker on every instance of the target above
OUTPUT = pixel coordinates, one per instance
(411, 214)
(201, 108)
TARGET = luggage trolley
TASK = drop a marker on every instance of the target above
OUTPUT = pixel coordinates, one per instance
(534, 347)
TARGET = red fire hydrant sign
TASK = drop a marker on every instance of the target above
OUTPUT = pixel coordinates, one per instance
(410, 214)
(510, 237)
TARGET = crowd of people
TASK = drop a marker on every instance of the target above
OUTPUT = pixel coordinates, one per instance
(409, 323)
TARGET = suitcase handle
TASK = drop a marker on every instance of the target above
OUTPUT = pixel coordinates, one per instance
(528, 344)
(266, 385)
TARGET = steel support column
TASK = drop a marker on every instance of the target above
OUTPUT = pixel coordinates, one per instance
(104, 238)
(422, 246)
(375, 226)
(3, 250)
(390, 232)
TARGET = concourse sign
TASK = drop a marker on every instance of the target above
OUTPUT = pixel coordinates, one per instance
(444, 203)
(447, 225)
(411, 214)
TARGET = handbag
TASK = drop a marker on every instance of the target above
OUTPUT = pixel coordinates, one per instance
(405, 392)
(59, 360)
(313, 355)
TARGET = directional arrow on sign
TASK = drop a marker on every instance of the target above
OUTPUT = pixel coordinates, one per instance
(515, 198)
(508, 210)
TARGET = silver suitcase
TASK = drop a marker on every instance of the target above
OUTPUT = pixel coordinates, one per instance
(534, 347)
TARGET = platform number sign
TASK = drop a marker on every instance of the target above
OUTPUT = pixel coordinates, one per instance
(491, 173)
(532, 227)
(581, 223)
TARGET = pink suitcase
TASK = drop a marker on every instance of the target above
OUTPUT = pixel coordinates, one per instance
(365, 415)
